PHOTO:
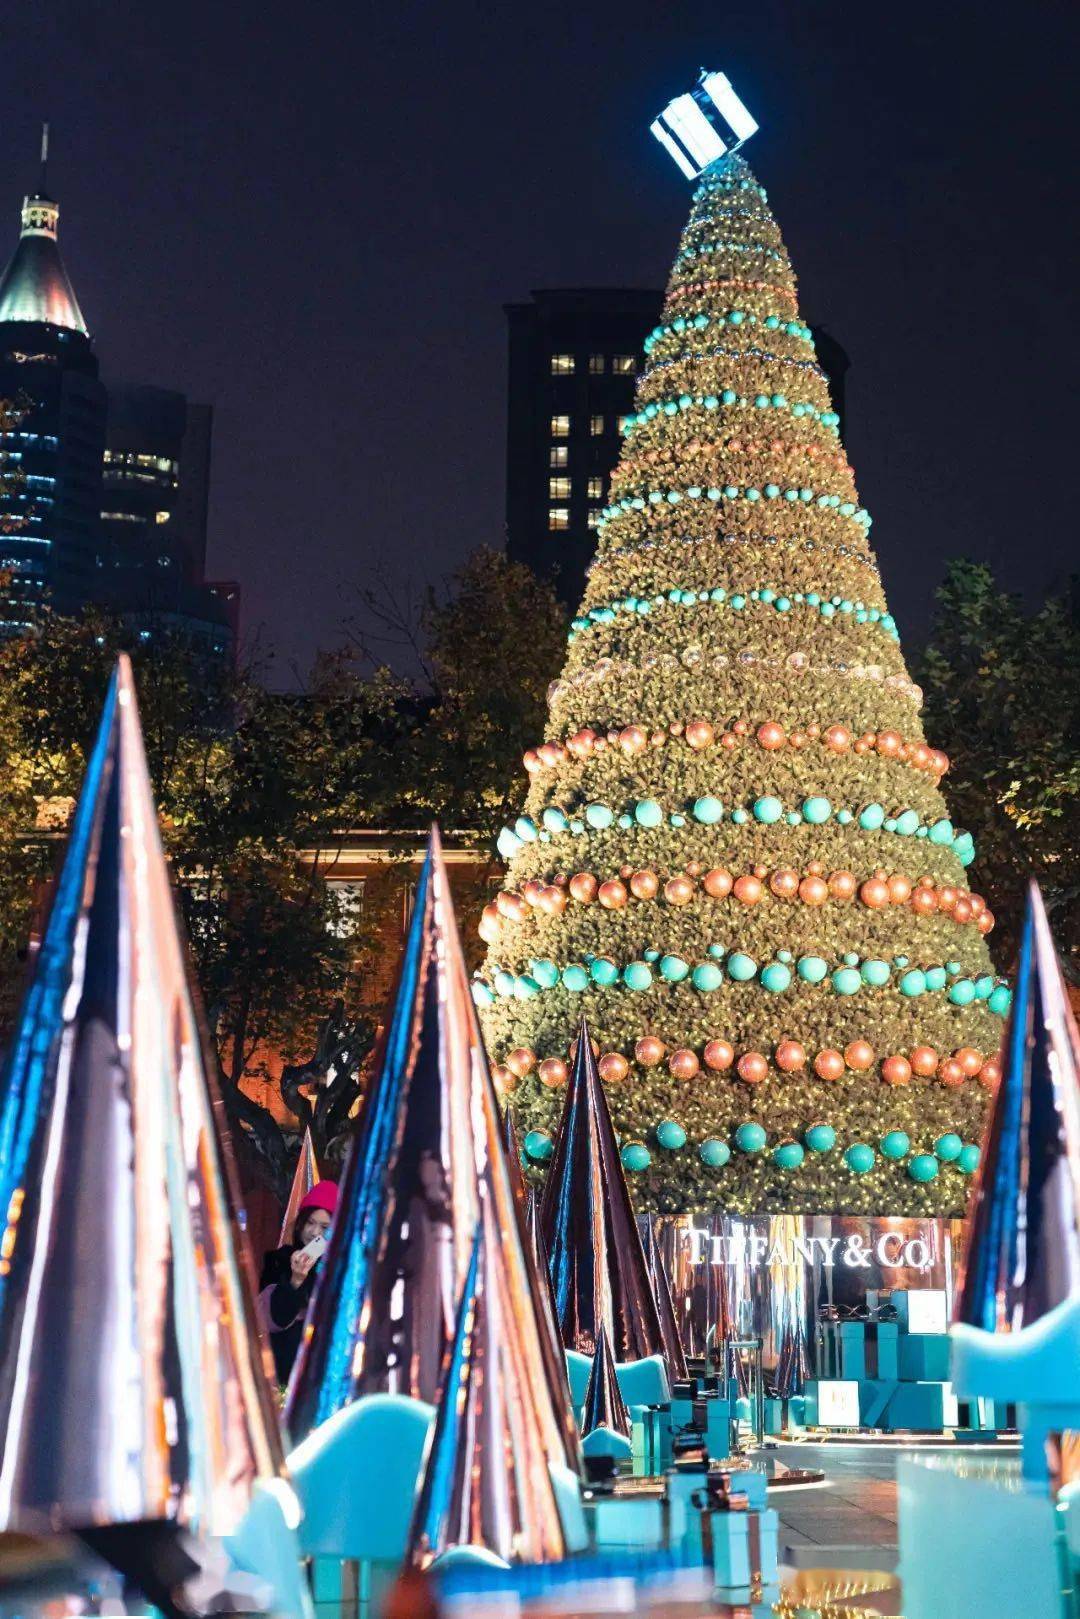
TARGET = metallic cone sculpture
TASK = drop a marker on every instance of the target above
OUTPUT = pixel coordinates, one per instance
(133, 1388)
(791, 1366)
(674, 1353)
(486, 1481)
(512, 1150)
(1024, 1244)
(427, 1153)
(604, 1405)
(306, 1176)
(598, 1267)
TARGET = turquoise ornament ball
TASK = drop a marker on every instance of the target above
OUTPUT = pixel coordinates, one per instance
(525, 828)
(821, 1138)
(816, 810)
(575, 978)
(775, 977)
(948, 1147)
(846, 981)
(750, 1137)
(545, 972)
(671, 1135)
(811, 969)
(923, 1167)
(872, 817)
(1000, 1000)
(767, 810)
(860, 1158)
(637, 975)
(876, 972)
(708, 810)
(706, 977)
(673, 969)
(913, 983)
(603, 972)
(635, 1156)
(715, 1153)
(598, 816)
(741, 967)
(555, 819)
(895, 1145)
(538, 1146)
(647, 812)
(969, 1158)
(907, 823)
(788, 1155)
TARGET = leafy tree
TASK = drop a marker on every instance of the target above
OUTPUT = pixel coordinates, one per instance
(242, 777)
(1003, 698)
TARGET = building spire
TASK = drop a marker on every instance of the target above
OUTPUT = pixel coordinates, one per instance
(35, 287)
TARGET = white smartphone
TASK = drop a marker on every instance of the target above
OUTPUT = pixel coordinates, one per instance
(316, 1247)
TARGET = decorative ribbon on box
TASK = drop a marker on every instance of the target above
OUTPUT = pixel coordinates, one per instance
(739, 1542)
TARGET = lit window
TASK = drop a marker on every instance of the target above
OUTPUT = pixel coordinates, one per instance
(559, 517)
(559, 453)
(558, 488)
(162, 517)
(596, 365)
(596, 426)
(562, 365)
(594, 516)
(622, 364)
(560, 427)
(595, 490)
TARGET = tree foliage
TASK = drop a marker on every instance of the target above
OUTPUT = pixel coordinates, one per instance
(1002, 691)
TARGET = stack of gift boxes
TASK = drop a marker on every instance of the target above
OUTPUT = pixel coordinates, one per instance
(684, 1493)
(889, 1369)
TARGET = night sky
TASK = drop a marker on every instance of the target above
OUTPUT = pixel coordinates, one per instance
(311, 216)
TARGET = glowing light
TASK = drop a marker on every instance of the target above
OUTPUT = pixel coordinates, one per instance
(698, 128)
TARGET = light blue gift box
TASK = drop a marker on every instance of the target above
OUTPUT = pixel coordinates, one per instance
(852, 1347)
(926, 1407)
(731, 1539)
(637, 1522)
(924, 1357)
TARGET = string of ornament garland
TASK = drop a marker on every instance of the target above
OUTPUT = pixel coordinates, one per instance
(638, 607)
(698, 734)
(753, 1067)
(648, 815)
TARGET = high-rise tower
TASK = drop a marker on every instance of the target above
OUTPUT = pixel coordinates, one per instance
(50, 497)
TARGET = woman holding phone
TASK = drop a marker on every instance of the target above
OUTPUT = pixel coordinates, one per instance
(288, 1275)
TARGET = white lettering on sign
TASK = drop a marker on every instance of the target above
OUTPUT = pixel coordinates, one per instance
(892, 1251)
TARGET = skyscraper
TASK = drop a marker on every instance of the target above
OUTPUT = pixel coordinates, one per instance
(103, 493)
(155, 499)
(574, 355)
(50, 496)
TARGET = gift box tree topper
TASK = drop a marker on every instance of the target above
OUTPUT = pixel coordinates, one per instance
(734, 856)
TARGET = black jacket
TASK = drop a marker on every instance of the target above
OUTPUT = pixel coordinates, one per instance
(287, 1304)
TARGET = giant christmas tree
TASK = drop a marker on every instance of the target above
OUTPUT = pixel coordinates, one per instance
(735, 858)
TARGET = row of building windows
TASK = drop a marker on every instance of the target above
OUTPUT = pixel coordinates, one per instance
(598, 425)
(559, 517)
(562, 488)
(622, 365)
(134, 458)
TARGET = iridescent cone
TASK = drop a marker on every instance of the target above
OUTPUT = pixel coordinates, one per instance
(674, 1354)
(537, 1250)
(306, 1176)
(133, 1388)
(427, 1151)
(604, 1405)
(1023, 1254)
(789, 1377)
(486, 1481)
(512, 1149)
(598, 1265)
